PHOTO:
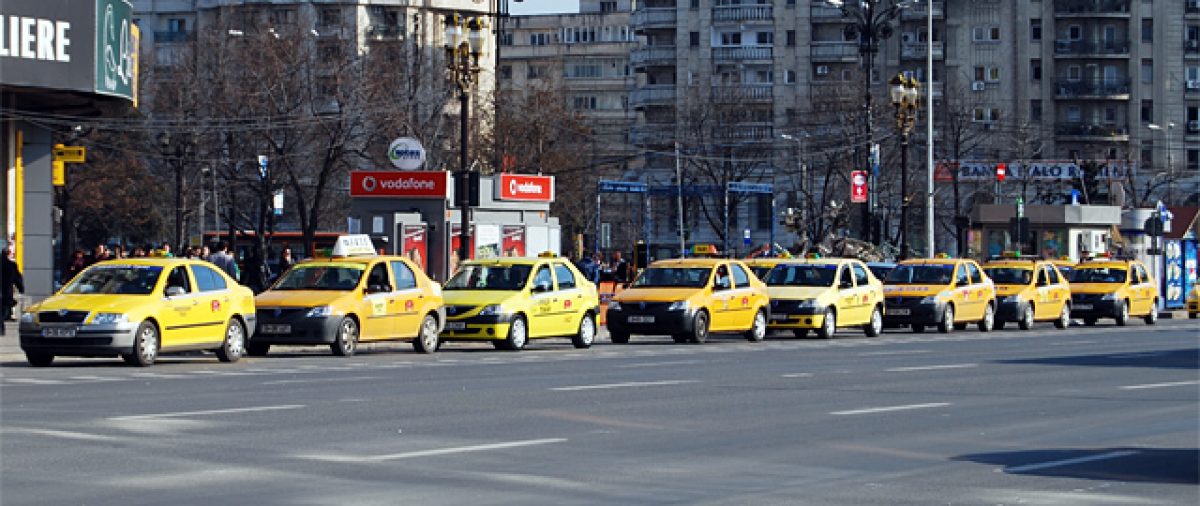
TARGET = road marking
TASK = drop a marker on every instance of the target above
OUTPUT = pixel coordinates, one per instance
(1160, 385)
(319, 380)
(898, 352)
(436, 452)
(891, 408)
(33, 381)
(1069, 343)
(624, 385)
(655, 364)
(797, 375)
(932, 367)
(1139, 355)
(183, 414)
(1067, 462)
(95, 378)
(63, 434)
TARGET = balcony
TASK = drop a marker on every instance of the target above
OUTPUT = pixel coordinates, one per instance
(740, 13)
(919, 50)
(919, 11)
(826, 52)
(1104, 89)
(739, 54)
(1091, 8)
(743, 94)
(653, 17)
(1091, 49)
(1089, 132)
(1191, 8)
(745, 132)
(663, 94)
(171, 37)
(331, 31)
(649, 56)
(385, 31)
(651, 134)
(826, 14)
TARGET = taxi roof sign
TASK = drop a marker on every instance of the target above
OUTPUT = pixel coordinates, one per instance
(353, 245)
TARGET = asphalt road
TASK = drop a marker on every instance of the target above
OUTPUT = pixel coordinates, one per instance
(1091, 416)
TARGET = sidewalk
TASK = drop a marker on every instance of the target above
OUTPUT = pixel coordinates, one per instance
(10, 344)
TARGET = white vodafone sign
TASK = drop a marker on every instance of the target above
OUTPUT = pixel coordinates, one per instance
(406, 153)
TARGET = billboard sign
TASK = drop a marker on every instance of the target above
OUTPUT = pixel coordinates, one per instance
(512, 243)
(525, 188)
(392, 183)
(415, 246)
(982, 171)
(406, 153)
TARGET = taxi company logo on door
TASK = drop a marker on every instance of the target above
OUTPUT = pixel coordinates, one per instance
(398, 184)
(530, 188)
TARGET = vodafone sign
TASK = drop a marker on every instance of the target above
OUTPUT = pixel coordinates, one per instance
(525, 188)
(392, 183)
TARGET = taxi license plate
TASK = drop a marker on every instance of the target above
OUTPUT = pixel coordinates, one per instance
(456, 325)
(58, 332)
(1085, 307)
(899, 312)
(779, 317)
(276, 329)
(641, 319)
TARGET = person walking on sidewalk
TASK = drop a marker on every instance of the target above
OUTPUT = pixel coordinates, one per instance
(223, 259)
(12, 281)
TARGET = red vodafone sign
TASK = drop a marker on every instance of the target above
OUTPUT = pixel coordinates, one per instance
(858, 186)
(525, 188)
(394, 183)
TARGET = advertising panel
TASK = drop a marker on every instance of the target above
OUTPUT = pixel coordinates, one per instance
(513, 240)
(525, 188)
(48, 44)
(455, 241)
(393, 183)
(1173, 274)
(415, 245)
(487, 240)
(115, 48)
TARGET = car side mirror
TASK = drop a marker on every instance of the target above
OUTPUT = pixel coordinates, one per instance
(174, 291)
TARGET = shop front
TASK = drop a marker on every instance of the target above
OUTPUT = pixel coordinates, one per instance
(1056, 231)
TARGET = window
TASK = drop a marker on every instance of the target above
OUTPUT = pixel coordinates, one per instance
(566, 279)
(330, 52)
(740, 278)
(986, 34)
(1075, 32)
(695, 4)
(535, 72)
(608, 6)
(789, 77)
(283, 17)
(1147, 71)
(987, 114)
(207, 280)
(1035, 111)
(860, 275)
(179, 277)
(791, 37)
(1074, 115)
(1148, 30)
(1035, 69)
(176, 25)
(543, 277)
(731, 38)
(1147, 111)
(539, 39)
(1193, 160)
(1074, 73)
(1035, 29)
(764, 212)
(584, 103)
(1110, 115)
(506, 38)
(976, 275)
(1147, 153)
(506, 72)
(961, 278)
(993, 74)
(378, 275)
(694, 39)
(405, 279)
(330, 17)
(765, 38)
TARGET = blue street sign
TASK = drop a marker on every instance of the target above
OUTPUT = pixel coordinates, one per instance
(1074, 197)
(746, 237)
(739, 187)
(607, 186)
(691, 190)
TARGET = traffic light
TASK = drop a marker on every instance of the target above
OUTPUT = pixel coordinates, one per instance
(1001, 172)
(1153, 226)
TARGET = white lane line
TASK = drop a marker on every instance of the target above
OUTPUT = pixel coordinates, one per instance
(63, 434)
(157, 375)
(1069, 343)
(184, 414)
(320, 380)
(33, 381)
(797, 375)
(898, 352)
(96, 378)
(885, 409)
(932, 367)
(656, 364)
(1160, 385)
(1067, 462)
(436, 452)
(631, 384)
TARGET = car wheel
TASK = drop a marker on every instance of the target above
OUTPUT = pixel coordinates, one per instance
(947, 323)
(699, 328)
(874, 327)
(618, 337)
(518, 335)
(828, 325)
(427, 339)
(1026, 321)
(1122, 313)
(1064, 317)
(989, 319)
(254, 349)
(39, 359)
(1089, 321)
(587, 332)
(1152, 318)
(235, 342)
(758, 330)
(918, 329)
(346, 341)
(145, 346)
(800, 333)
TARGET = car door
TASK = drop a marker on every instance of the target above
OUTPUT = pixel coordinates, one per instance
(980, 292)
(378, 302)
(742, 299)
(215, 303)
(570, 303)
(865, 297)
(542, 297)
(1060, 291)
(962, 293)
(722, 294)
(1144, 291)
(178, 322)
(843, 284)
(407, 300)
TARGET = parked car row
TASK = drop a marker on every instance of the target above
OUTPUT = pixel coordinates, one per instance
(139, 308)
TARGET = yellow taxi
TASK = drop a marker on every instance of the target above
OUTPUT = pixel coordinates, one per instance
(138, 308)
(1193, 302)
(1111, 288)
(353, 296)
(948, 293)
(509, 301)
(688, 298)
(824, 294)
(1029, 290)
(761, 266)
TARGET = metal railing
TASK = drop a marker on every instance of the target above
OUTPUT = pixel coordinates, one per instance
(1092, 87)
(385, 31)
(657, 94)
(1091, 6)
(920, 11)
(834, 51)
(741, 53)
(654, 17)
(1087, 47)
(1106, 131)
(918, 50)
(652, 55)
(742, 13)
(172, 36)
(743, 93)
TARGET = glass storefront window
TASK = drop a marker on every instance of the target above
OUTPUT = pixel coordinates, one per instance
(1053, 243)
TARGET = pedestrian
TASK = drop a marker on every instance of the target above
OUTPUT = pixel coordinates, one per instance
(99, 254)
(589, 268)
(118, 251)
(13, 282)
(285, 260)
(620, 269)
(77, 264)
(165, 251)
(138, 252)
(225, 261)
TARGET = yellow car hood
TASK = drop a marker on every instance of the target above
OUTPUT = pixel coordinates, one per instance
(913, 290)
(656, 294)
(1095, 287)
(299, 298)
(796, 292)
(477, 297)
(95, 303)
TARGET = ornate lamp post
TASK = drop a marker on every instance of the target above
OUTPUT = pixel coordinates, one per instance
(464, 48)
(906, 98)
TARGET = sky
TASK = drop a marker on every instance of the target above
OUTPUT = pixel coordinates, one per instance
(542, 6)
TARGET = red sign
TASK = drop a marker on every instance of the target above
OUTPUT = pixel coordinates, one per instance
(455, 241)
(858, 186)
(1000, 172)
(395, 183)
(512, 241)
(414, 245)
(944, 172)
(525, 188)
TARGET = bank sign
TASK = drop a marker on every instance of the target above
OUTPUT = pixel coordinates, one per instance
(1047, 171)
(56, 44)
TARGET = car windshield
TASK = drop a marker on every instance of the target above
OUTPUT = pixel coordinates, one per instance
(938, 274)
(880, 271)
(490, 277)
(802, 275)
(761, 271)
(683, 277)
(116, 279)
(1098, 275)
(1009, 275)
(320, 277)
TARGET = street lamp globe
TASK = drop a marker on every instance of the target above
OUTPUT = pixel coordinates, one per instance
(453, 32)
(897, 89)
(475, 36)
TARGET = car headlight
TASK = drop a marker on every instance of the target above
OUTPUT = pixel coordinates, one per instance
(109, 318)
(319, 312)
(492, 310)
(807, 304)
(678, 306)
(1109, 296)
(29, 317)
(930, 299)
(614, 306)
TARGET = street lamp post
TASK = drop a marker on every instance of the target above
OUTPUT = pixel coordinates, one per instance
(1170, 165)
(164, 141)
(803, 185)
(906, 98)
(464, 48)
(871, 24)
